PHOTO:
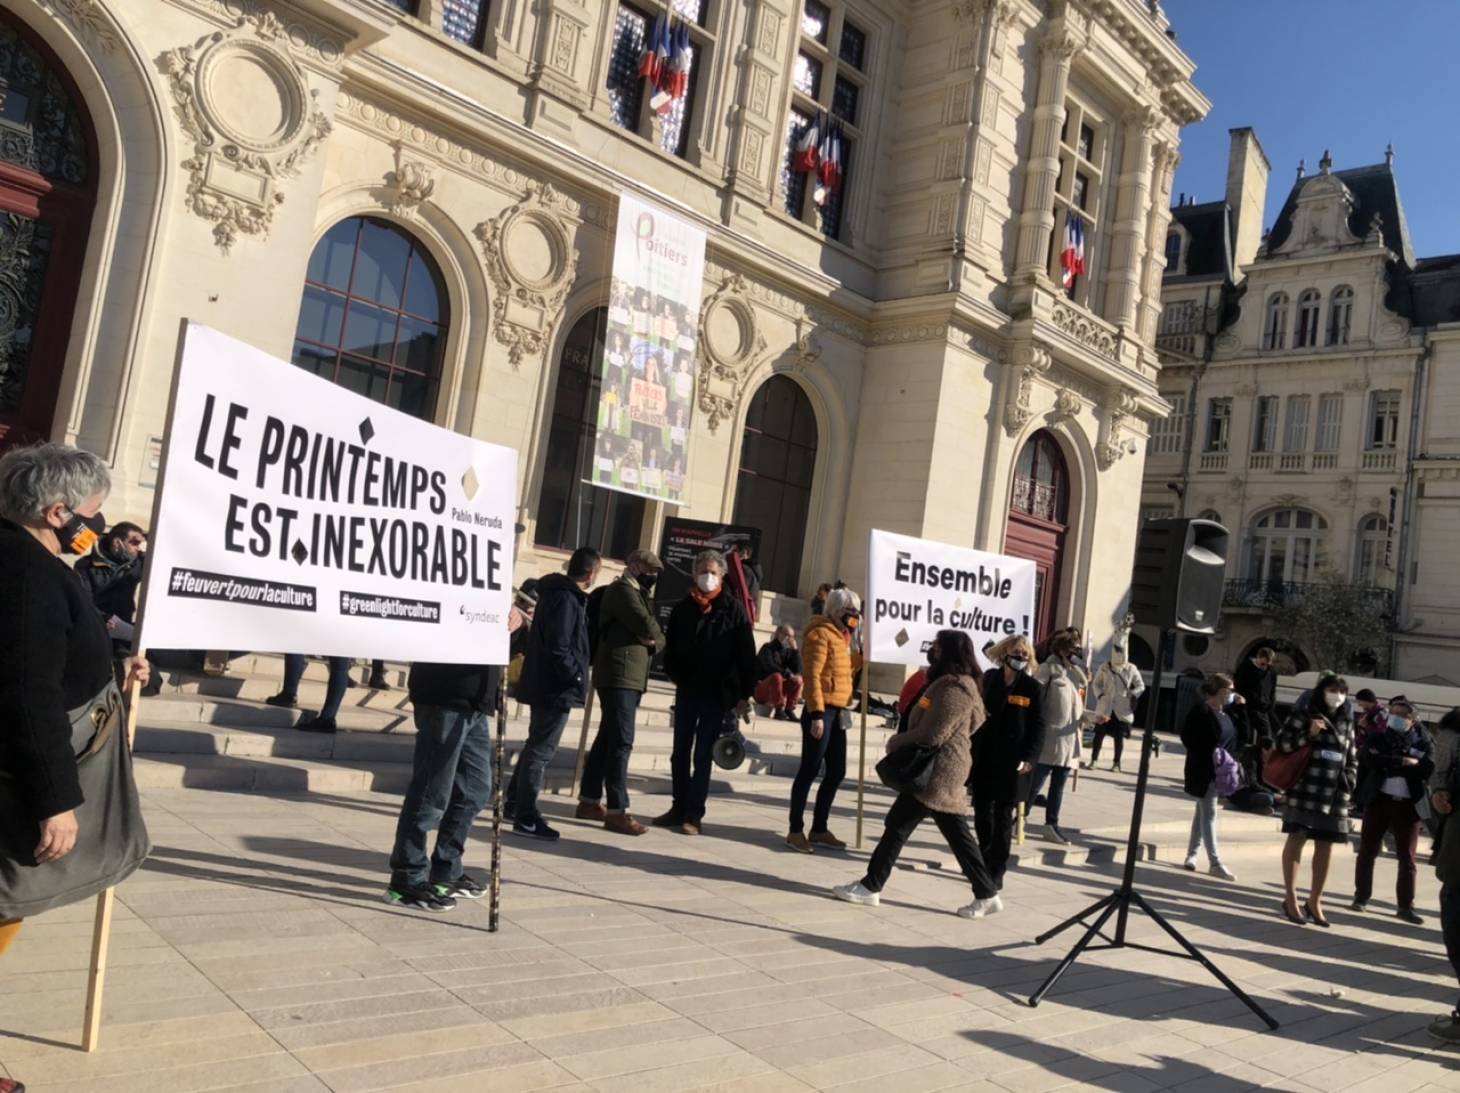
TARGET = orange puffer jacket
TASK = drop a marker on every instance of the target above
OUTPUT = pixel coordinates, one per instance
(826, 666)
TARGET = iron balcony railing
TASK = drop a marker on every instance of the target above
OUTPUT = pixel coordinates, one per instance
(1260, 594)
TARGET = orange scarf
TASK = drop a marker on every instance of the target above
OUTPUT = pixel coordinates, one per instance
(705, 599)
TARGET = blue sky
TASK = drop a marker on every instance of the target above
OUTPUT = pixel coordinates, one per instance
(1346, 75)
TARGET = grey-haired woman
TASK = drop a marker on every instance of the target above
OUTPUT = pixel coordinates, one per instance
(70, 824)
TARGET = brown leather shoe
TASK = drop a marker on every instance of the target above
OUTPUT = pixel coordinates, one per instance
(827, 839)
(797, 840)
(689, 827)
(672, 818)
(621, 823)
(591, 810)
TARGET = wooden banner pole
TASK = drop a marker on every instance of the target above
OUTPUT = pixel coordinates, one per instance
(862, 756)
(577, 786)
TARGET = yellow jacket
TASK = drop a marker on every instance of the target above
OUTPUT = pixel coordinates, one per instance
(826, 666)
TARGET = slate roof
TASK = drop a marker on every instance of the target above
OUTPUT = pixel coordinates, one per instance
(1375, 189)
(1209, 254)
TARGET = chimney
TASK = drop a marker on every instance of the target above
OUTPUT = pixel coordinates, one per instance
(1247, 171)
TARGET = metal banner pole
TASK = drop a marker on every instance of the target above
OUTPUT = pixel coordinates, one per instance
(577, 785)
(862, 756)
(498, 758)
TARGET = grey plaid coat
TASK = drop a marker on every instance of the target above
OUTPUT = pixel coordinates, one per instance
(1328, 781)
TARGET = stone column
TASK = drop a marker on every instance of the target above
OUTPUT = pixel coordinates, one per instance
(1057, 52)
(756, 122)
(1163, 159)
(1132, 206)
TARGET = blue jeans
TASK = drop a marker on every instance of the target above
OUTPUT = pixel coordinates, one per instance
(451, 782)
(607, 766)
(832, 749)
(544, 731)
(698, 723)
(334, 691)
(1057, 776)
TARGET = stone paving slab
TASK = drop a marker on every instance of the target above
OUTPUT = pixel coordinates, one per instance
(253, 953)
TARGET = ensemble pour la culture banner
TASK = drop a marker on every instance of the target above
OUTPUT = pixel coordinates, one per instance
(648, 368)
(916, 587)
(299, 517)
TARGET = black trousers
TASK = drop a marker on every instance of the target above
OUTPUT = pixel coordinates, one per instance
(993, 822)
(1117, 730)
(902, 820)
(830, 749)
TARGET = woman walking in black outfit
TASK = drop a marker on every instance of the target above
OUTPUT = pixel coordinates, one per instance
(1005, 748)
(1317, 806)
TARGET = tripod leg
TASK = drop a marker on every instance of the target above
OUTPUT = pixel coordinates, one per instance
(1198, 955)
(1077, 919)
(1110, 902)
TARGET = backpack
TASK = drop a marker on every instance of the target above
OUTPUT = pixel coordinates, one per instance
(1226, 772)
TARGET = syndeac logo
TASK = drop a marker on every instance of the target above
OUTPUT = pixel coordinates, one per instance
(475, 617)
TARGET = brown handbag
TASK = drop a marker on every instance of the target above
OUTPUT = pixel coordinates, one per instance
(1283, 770)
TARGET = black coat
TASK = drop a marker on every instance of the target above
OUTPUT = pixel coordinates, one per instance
(1200, 735)
(1258, 688)
(776, 660)
(113, 582)
(555, 671)
(1382, 755)
(464, 688)
(711, 654)
(54, 658)
(1012, 733)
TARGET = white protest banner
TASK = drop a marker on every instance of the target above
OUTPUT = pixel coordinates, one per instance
(299, 517)
(916, 587)
(648, 368)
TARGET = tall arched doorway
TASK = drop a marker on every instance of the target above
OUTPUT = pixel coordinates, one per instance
(777, 460)
(48, 168)
(1039, 520)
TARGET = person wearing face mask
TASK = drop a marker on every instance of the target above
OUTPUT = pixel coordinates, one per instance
(1316, 807)
(113, 573)
(1063, 679)
(628, 638)
(829, 672)
(1118, 686)
(710, 657)
(554, 682)
(1207, 728)
(1395, 764)
(1005, 748)
(70, 821)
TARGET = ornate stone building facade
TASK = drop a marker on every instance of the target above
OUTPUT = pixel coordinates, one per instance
(416, 198)
(1309, 371)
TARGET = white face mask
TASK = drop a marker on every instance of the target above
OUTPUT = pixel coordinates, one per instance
(1017, 663)
(1333, 699)
(1118, 658)
(1229, 699)
(707, 582)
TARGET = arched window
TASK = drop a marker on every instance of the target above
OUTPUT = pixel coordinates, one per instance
(1173, 251)
(1310, 303)
(570, 513)
(1340, 314)
(1275, 323)
(1369, 554)
(1040, 485)
(48, 180)
(777, 459)
(374, 315)
(1289, 545)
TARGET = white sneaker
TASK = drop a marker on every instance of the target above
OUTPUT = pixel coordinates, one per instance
(855, 893)
(1220, 870)
(1190, 864)
(981, 908)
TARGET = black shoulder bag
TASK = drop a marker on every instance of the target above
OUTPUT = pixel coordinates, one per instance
(908, 770)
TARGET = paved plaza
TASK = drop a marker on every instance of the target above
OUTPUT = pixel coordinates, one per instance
(253, 953)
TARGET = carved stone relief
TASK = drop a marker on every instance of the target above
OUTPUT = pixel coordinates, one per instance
(531, 262)
(729, 342)
(253, 120)
(87, 18)
(307, 40)
(1119, 404)
(1084, 329)
(1067, 406)
(410, 185)
(1032, 361)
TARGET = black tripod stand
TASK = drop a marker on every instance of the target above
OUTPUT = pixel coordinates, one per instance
(1119, 902)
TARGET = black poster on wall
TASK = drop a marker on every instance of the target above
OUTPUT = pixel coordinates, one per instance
(680, 541)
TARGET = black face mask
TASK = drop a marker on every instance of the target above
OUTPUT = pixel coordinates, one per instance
(647, 581)
(80, 533)
(933, 657)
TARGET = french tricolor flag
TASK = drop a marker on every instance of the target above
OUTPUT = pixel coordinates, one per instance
(656, 52)
(1072, 257)
(808, 148)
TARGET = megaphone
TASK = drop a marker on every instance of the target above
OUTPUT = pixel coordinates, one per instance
(728, 751)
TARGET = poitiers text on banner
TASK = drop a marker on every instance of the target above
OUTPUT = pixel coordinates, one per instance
(916, 587)
(299, 517)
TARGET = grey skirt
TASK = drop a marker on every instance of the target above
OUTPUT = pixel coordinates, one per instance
(111, 842)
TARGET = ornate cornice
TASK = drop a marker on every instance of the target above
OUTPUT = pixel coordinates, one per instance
(527, 306)
(234, 171)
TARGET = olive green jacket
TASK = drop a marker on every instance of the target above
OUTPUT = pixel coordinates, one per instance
(625, 621)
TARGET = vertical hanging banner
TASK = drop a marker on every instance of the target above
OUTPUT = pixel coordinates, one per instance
(298, 517)
(648, 369)
(916, 587)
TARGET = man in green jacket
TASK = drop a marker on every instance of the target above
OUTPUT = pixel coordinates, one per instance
(628, 637)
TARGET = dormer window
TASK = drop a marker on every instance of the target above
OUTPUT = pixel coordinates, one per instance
(1340, 314)
(1275, 324)
(1173, 250)
(1309, 306)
